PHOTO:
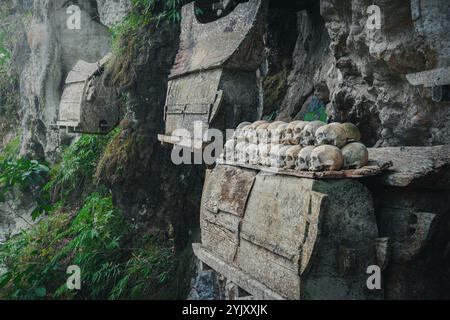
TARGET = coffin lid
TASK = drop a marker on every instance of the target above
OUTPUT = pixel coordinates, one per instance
(214, 44)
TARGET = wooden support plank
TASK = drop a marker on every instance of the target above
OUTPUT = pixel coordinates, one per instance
(415, 166)
(374, 168)
(236, 275)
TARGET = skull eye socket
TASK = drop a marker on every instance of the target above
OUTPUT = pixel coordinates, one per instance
(302, 160)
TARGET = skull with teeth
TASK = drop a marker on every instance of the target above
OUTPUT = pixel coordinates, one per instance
(240, 152)
(229, 150)
(309, 132)
(355, 155)
(264, 154)
(303, 158)
(239, 132)
(332, 134)
(353, 133)
(252, 153)
(278, 155)
(262, 133)
(291, 156)
(271, 131)
(326, 158)
(289, 133)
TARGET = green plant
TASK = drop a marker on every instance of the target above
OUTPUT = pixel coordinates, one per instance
(21, 174)
(74, 172)
(115, 261)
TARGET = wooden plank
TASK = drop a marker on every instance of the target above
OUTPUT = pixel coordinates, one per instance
(374, 168)
(430, 78)
(230, 191)
(414, 166)
(235, 274)
(182, 142)
(272, 270)
(235, 37)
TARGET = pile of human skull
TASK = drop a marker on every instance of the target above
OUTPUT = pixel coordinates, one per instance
(299, 145)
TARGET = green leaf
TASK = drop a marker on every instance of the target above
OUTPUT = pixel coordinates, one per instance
(4, 279)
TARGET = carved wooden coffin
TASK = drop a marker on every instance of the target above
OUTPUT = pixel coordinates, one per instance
(431, 22)
(285, 236)
(234, 41)
(213, 81)
(86, 105)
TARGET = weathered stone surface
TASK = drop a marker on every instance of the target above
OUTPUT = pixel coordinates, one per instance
(55, 49)
(415, 221)
(112, 12)
(361, 78)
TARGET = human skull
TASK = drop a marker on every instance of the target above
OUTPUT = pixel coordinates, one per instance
(229, 150)
(240, 152)
(258, 123)
(264, 154)
(353, 133)
(303, 158)
(262, 133)
(332, 134)
(289, 133)
(309, 131)
(298, 131)
(271, 128)
(277, 134)
(355, 155)
(252, 153)
(291, 156)
(239, 132)
(251, 134)
(277, 156)
(326, 158)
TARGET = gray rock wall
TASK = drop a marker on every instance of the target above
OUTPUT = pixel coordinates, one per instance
(361, 77)
(55, 49)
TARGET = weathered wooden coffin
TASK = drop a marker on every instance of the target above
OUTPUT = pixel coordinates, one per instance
(431, 22)
(289, 237)
(213, 81)
(86, 105)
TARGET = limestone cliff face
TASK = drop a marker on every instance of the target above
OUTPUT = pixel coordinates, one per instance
(360, 73)
(317, 51)
(54, 50)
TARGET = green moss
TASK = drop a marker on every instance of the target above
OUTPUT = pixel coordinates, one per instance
(119, 156)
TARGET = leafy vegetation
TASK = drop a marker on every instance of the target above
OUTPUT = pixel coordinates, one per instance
(143, 13)
(79, 224)
(114, 264)
(81, 228)
(74, 173)
(21, 174)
